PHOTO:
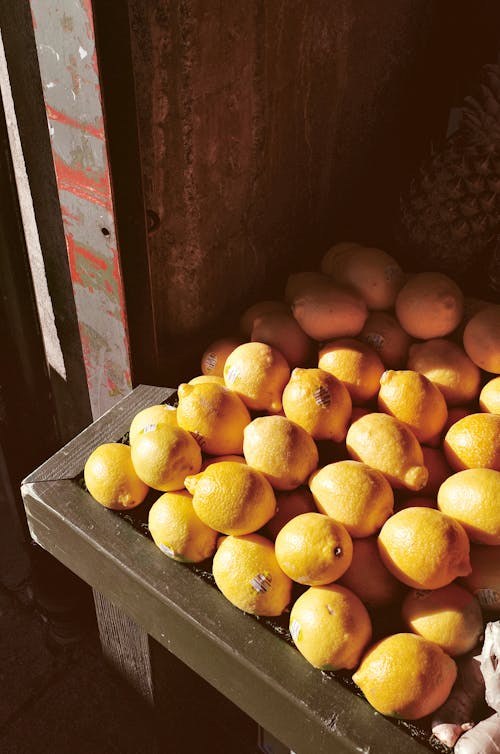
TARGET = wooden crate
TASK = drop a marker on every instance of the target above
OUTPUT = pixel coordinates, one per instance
(159, 618)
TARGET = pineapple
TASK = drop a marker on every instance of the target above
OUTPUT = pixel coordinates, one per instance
(450, 219)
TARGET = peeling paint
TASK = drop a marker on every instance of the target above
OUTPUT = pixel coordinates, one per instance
(65, 41)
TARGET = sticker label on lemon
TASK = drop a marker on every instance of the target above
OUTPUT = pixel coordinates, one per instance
(149, 428)
(232, 375)
(322, 396)
(210, 361)
(261, 582)
(488, 597)
(375, 340)
(295, 630)
(167, 550)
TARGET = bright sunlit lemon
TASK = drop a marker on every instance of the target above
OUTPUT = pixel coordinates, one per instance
(177, 530)
(111, 478)
(164, 455)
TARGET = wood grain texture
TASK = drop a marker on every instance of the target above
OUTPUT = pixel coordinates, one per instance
(264, 130)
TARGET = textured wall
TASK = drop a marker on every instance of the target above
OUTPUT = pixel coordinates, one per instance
(268, 130)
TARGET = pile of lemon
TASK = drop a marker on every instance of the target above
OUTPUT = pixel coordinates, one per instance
(389, 379)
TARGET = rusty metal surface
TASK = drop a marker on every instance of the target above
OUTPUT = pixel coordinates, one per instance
(65, 40)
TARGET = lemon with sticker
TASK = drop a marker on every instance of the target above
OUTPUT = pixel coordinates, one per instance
(149, 417)
(330, 627)
(164, 455)
(177, 530)
(247, 573)
(232, 498)
(215, 355)
(484, 579)
(257, 373)
(214, 415)
(111, 478)
(319, 403)
(313, 549)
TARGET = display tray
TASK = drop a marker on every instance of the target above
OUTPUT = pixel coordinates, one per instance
(252, 661)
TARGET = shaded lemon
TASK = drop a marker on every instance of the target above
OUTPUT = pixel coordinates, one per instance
(368, 577)
(489, 397)
(439, 469)
(281, 330)
(232, 498)
(356, 495)
(373, 273)
(484, 579)
(385, 335)
(215, 355)
(424, 548)
(217, 459)
(417, 502)
(413, 399)
(257, 373)
(313, 549)
(319, 403)
(200, 379)
(177, 530)
(388, 445)
(355, 364)
(330, 627)
(157, 414)
(455, 413)
(474, 442)
(325, 311)
(256, 310)
(482, 339)
(328, 260)
(284, 452)
(163, 456)
(406, 676)
(450, 616)
(214, 415)
(299, 282)
(246, 571)
(473, 498)
(448, 367)
(111, 478)
(289, 504)
(430, 305)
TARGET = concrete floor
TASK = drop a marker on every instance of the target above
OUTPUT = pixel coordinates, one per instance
(62, 700)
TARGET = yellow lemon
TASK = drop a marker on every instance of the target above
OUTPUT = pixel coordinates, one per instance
(319, 403)
(111, 478)
(474, 442)
(232, 497)
(354, 494)
(489, 397)
(355, 364)
(325, 311)
(214, 415)
(388, 445)
(413, 399)
(373, 273)
(330, 627)
(158, 414)
(163, 456)
(289, 504)
(406, 676)
(448, 367)
(424, 548)
(201, 378)
(284, 452)
(484, 579)
(482, 339)
(257, 373)
(256, 310)
(313, 549)
(246, 571)
(430, 305)
(281, 331)
(473, 498)
(214, 357)
(177, 530)
(385, 335)
(368, 577)
(450, 616)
